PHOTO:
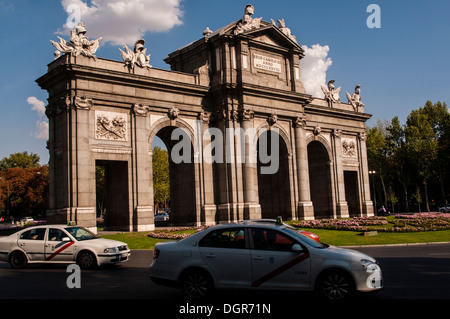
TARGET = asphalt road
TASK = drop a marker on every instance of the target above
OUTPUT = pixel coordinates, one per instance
(411, 272)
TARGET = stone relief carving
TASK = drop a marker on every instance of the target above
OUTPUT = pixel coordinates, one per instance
(331, 94)
(247, 114)
(272, 119)
(204, 117)
(138, 56)
(173, 113)
(83, 102)
(355, 98)
(284, 29)
(247, 23)
(110, 126)
(348, 148)
(79, 44)
(317, 130)
(140, 109)
(337, 133)
(300, 121)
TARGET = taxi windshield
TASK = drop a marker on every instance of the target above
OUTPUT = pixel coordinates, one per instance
(80, 233)
(311, 242)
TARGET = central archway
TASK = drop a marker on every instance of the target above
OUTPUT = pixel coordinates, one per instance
(183, 205)
(274, 188)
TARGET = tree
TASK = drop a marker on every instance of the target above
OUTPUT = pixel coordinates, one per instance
(376, 153)
(27, 190)
(161, 176)
(22, 160)
(422, 146)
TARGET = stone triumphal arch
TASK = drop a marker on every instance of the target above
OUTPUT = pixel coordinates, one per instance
(241, 83)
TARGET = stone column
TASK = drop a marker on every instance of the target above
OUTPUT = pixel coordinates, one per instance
(367, 205)
(142, 172)
(305, 205)
(83, 165)
(252, 209)
(208, 207)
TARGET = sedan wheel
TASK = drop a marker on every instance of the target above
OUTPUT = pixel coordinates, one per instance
(86, 260)
(18, 260)
(196, 285)
(336, 285)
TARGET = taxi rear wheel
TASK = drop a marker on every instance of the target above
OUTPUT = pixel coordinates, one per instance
(18, 260)
(196, 284)
(336, 285)
(86, 260)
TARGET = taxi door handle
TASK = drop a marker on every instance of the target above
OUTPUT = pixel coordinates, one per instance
(258, 258)
(22, 244)
(210, 256)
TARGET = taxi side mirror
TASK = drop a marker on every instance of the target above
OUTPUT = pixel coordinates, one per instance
(297, 248)
(65, 239)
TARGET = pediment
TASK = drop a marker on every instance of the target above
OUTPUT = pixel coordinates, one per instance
(267, 33)
(272, 35)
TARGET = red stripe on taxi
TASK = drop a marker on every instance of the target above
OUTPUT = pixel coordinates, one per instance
(59, 250)
(280, 270)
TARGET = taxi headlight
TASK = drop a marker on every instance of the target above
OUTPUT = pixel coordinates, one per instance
(369, 265)
(111, 250)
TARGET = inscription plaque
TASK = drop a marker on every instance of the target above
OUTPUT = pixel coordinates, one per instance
(266, 63)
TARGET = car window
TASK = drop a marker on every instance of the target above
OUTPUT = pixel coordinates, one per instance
(56, 234)
(224, 238)
(33, 234)
(80, 233)
(270, 239)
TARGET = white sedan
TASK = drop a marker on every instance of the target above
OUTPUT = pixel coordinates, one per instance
(262, 255)
(61, 244)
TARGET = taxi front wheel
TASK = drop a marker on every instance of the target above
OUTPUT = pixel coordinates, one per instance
(336, 284)
(86, 260)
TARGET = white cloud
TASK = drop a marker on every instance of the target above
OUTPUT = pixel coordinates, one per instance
(41, 125)
(120, 21)
(314, 68)
(37, 105)
(41, 130)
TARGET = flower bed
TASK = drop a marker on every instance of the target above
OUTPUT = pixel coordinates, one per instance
(400, 223)
(173, 233)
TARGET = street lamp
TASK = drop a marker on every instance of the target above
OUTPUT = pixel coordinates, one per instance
(374, 193)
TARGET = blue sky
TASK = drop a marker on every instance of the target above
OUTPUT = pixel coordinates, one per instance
(399, 66)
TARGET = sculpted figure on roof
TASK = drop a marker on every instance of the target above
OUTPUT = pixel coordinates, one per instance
(247, 23)
(79, 44)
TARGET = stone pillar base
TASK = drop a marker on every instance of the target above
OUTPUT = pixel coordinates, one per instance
(342, 210)
(209, 214)
(252, 211)
(305, 211)
(368, 208)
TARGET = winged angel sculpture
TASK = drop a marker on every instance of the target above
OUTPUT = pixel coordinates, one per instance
(331, 94)
(138, 56)
(79, 44)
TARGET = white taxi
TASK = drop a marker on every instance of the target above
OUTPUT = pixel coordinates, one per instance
(262, 255)
(61, 244)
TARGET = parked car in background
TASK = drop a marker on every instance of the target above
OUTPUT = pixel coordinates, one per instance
(27, 219)
(61, 244)
(262, 255)
(161, 217)
(445, 209)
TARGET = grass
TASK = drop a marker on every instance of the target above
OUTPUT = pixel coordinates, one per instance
(141, 240)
